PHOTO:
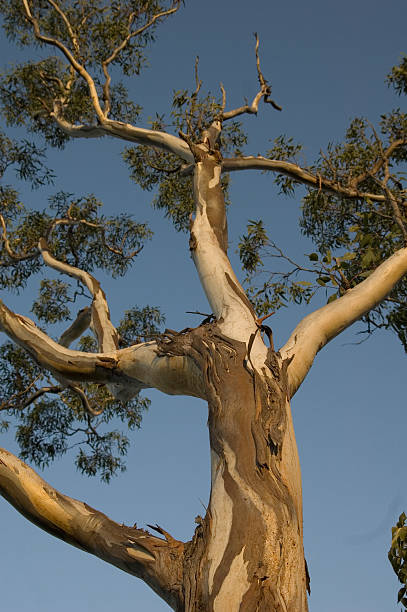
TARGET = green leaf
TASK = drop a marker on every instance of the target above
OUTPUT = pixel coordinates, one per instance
(313, 257)
(332, 298)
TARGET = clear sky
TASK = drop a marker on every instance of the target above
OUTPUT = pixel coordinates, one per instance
(327, 63)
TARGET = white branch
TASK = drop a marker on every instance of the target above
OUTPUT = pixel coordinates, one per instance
(229, 303)
(318, 328)
(127, 370)
(297, 173)
(106, 333)
(125, 131)
(77, 328)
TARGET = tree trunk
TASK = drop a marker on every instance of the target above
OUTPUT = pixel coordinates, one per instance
(247, 553)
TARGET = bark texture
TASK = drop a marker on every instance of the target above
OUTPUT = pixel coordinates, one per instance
(247, 553)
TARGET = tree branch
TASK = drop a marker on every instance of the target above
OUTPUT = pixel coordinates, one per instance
(106, 334)
(157, 561)
(124, 43)
(318, 328)
(125, 131)
(208, 243)
(67, 23)
(127, 371)
(78, 327)
(264, 92)
(297, 173)
(71, 59)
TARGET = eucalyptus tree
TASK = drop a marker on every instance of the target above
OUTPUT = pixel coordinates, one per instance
(247, 551)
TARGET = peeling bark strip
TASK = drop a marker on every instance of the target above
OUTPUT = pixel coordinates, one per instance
(247, 552)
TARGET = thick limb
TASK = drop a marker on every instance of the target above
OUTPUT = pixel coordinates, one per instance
(156, 560)
(130, 369)
(208, 244)
(318, 328)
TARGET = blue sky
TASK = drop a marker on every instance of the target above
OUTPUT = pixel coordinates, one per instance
(327, 63)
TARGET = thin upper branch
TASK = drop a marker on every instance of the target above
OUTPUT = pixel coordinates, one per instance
(318, 328)
(157, 561)
(71, 59)
(119, 48)
(263, 93)
(106, 333)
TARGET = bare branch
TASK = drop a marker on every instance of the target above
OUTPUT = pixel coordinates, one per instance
(299, 174)
(85, 402)
(125, 131)
(77, 328)
(106, 333)
(264, 93)
(157, 561)
(318, 328)
(42, 391)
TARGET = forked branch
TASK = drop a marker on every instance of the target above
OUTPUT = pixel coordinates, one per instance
(263, 93)
(77, 66)
(157, 561)
(128, 370)
(106, 333)
(318, 328)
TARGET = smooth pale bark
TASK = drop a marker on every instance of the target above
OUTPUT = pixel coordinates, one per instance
(321, 326)
(130, 369)
(297, 173)
(128, 132)
(106, 334)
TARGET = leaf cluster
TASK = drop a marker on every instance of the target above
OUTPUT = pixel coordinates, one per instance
(77, 233)
(398, 556)
(285, 149)
(26, 158)
(50, 424)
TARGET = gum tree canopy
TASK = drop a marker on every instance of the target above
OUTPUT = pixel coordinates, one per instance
(247, 551)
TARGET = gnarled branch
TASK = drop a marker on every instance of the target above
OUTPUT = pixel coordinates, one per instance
(318, 328)
(157, 561)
